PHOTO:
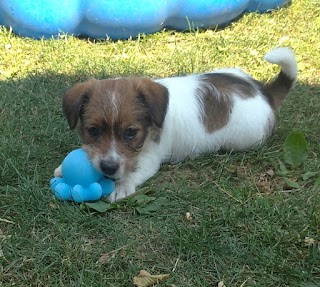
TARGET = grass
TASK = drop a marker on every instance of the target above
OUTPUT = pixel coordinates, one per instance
(248, 227)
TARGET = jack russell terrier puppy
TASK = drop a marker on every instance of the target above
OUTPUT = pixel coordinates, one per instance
(129, 126)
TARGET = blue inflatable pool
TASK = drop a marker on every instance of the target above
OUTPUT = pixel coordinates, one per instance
(121, 19)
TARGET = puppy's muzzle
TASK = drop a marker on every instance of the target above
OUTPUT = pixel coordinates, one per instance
(109, 168)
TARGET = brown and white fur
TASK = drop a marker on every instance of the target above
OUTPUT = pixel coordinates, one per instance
(129, 126)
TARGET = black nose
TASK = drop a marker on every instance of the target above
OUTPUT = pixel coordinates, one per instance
(109, 167)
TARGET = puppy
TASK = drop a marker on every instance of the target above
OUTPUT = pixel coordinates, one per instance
(129, 126)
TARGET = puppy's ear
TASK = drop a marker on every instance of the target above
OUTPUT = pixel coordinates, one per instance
(74, 101)
(156, 98)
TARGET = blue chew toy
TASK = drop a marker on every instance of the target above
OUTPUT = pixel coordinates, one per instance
(121, 19)
(80, 181)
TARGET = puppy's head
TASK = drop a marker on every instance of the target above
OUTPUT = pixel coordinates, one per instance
(116, 118)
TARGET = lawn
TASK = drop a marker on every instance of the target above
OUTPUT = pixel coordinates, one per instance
(255, 220)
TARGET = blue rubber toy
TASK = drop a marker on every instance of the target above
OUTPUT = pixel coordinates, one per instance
(80, 181)
(121, 19)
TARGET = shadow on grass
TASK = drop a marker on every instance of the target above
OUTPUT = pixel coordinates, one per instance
(254, 239)
(34, 132)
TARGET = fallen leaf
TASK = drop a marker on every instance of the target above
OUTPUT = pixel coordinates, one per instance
(264, 186)
(52, 205)
(105, 258)
(309, 241)
(221, 284)
(145, 279)
(264, 183)
(188, 216)
(270, 172)
(242, 171)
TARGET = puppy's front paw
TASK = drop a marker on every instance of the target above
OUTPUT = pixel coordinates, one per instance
(58, 171)
(122, 190)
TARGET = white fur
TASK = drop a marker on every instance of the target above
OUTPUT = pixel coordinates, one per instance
(58, 171)
(284, 57)
(114, 105)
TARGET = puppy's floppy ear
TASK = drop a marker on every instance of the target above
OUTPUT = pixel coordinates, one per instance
(156, 98)
(74, 101)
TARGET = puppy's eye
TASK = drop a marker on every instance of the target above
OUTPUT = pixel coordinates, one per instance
(93, 132)
(130, 133)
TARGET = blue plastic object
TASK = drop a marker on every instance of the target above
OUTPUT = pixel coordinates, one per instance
(121, 19)
(80, 181)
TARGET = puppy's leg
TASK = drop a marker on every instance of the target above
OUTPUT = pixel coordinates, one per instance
(58, 171)
(148, 165)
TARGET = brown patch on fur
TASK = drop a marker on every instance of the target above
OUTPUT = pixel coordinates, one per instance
(216, 110)
(73, 101)
(215, 96)
(108, 108)
(277, 90)
(156, 97)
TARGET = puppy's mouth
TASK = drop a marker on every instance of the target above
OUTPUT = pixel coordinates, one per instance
(111, 177)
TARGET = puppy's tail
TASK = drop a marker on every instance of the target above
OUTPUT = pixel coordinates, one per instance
(277, 89)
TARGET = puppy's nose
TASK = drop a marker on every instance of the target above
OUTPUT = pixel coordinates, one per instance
(109, 167)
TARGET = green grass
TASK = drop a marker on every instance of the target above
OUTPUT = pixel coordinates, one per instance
(247, 229)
